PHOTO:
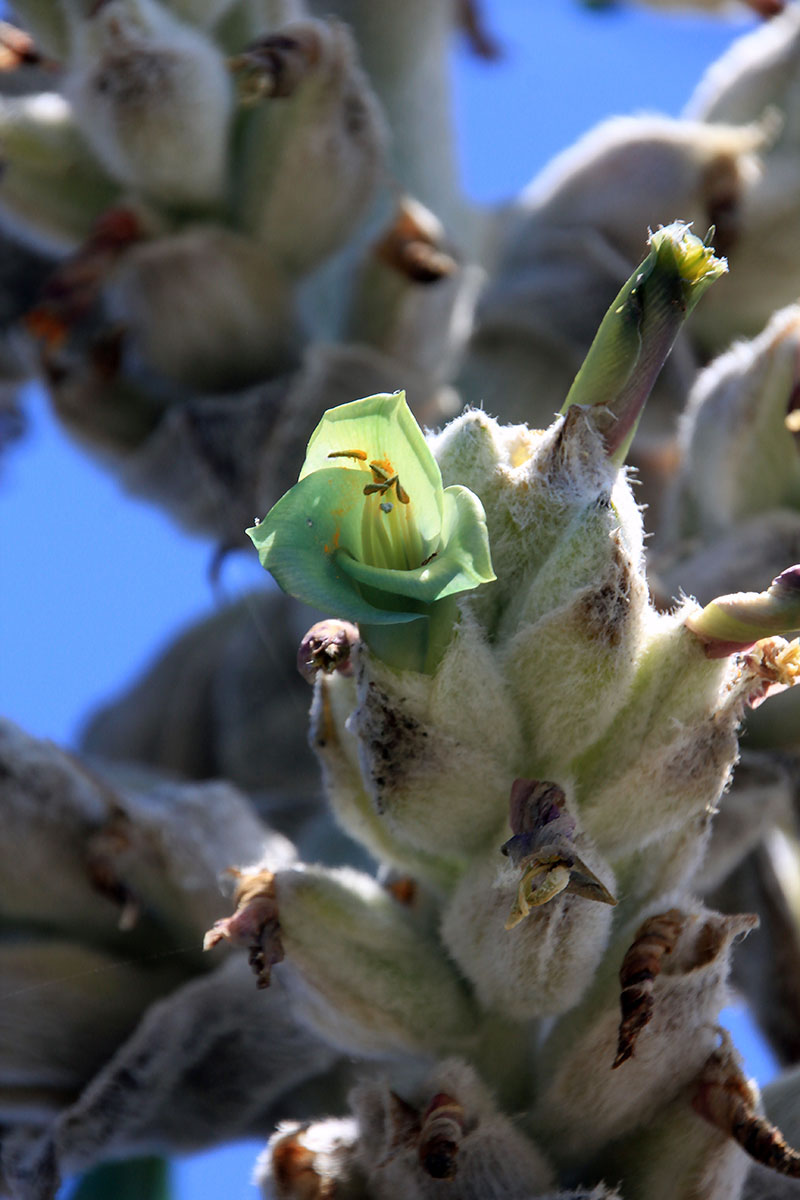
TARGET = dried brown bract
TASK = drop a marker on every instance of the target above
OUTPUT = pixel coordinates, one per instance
(254, 925)
(413, 245)
(274, 66)
(640, 967)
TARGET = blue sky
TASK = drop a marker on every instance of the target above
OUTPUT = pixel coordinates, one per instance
(93, 584)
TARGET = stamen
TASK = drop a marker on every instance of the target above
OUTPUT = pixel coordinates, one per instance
(358, 454)
(382, 487)
(380, 474)
(400, 492)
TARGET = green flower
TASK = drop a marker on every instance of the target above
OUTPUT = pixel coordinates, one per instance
(368, 533)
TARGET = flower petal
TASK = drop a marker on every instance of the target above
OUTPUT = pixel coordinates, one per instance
(385, 430)
(307, 538)
(461, 562)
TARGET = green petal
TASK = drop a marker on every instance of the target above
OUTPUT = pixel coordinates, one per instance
(462, 561)
(464, 528)
(384, 428)
(307, 537)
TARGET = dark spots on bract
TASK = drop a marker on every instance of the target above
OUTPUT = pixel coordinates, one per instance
(604, 610)
(396, 742)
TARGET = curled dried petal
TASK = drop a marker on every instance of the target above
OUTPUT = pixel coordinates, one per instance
(543, 846)
(326, 647)
(443, 1126)
(640, 967)
(254, 925)
(726, 1099)
(277, 64)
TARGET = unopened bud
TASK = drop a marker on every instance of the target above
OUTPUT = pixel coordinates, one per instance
(449, 1135)
(207, 308)
(154, 100)
(299, 203)
(51, 188)
(529, 935)
(638, 331)
(334, 927)
(686, 995)
(739, 449)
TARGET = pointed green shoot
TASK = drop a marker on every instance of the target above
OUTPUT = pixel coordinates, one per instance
(638, 332)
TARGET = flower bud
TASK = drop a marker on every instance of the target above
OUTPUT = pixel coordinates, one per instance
(337, 751)
(414, 739)
(162, 1086)
(51, 189)
(144, 854)
(569, 611)
(453, 1134)
(206, 308)
(575, 237)
(412, 298)
(154, 100)
(67, 1007)
(739, 454)
(686, 995)
(759, 69)
(530, 933)
(637, 333)
(709, 1164)
(760, 796)
(334, 928)
(665, 759)
(757, 80)
(311, 159)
